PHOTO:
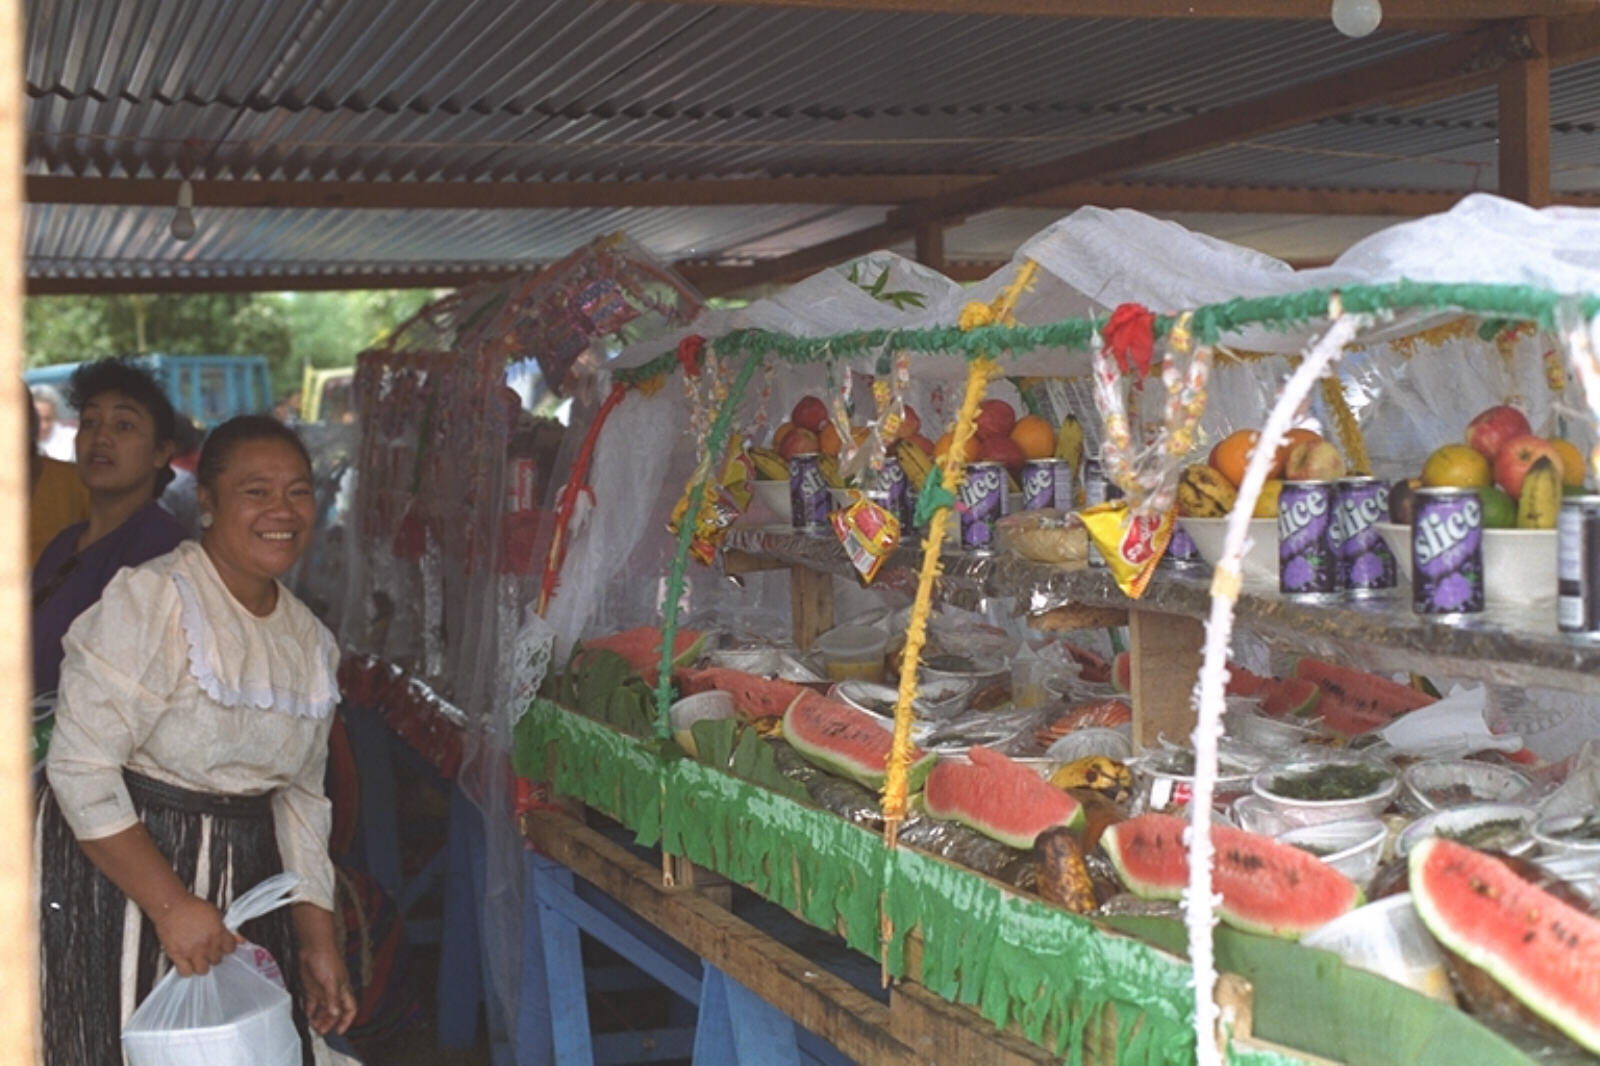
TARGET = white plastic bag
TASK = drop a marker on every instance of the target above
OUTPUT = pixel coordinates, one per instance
(238, 1013)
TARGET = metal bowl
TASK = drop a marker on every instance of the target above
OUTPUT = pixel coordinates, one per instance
(1455, 822)
(1423, 783)
(1316, 812)
(1547, 831)
(935, 699)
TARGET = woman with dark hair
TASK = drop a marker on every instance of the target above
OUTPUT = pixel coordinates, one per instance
(126, 427)
(187, 764)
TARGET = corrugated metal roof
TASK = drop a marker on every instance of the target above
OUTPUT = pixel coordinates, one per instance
(465, 90)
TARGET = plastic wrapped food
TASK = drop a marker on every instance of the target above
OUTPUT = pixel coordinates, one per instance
(1045, 537)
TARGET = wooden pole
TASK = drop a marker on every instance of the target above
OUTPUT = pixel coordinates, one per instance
(930, 246)
(19, 1011)
(1525, 122)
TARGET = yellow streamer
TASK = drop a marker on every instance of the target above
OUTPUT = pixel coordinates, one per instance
(952, 472)
(1344, 423)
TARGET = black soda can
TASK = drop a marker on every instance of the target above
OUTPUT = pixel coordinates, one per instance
(1308, 548)
(1047, 485)
(809, 500)
(983, 503)
(1578, 567)
(1447, 553)
(1366, 566)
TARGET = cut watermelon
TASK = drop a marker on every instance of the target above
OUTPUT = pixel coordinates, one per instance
(999, 798)
(1544, 951)
(753, 697)
(1279, 696)
(641, 647)
(1266, 887)
(845, 741)
(1122, 672)
(1354, 701)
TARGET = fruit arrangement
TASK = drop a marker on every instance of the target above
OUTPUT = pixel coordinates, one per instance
(1519, 477)
(1210, 489)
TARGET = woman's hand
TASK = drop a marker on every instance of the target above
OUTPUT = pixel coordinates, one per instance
(193, 936)
(330, 1004)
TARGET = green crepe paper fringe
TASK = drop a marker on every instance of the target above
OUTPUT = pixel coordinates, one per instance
(932, 496)
(1015, 959)
(1209, 324)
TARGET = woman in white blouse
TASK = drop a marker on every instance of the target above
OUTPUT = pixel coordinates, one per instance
(191, 735)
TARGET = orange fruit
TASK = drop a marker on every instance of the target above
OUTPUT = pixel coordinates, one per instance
(783, 430)
(1232, 454)
(1035, 436)
(942, 445)
(829, 440)
(1572, 464)
(1457, 465)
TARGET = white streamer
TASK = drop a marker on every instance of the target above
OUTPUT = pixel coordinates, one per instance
(1199, 904)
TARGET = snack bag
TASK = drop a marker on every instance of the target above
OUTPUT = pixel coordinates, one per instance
(1132, 544)
(869, 533)
(721, 507)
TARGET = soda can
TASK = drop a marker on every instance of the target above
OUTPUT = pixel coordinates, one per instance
(809, 500)
(983, 502)
(893, 482)
(1447, 553)
(1096, 487)
(1047, 484)
(1181, 551)
(1308, 563)
(1366, 565)
(1578, 567)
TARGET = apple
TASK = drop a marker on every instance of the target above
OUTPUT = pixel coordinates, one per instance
(799, 442)
(1313, 460)
(1490, 430)
(810, 413)
(783, 430)
(995, 418)
(1517, 456)
(910, 424)
(1002, 450)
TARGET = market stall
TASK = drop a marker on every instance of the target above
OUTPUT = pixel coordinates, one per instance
(1157, 345)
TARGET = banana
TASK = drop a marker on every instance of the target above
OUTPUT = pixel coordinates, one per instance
(770, 466)
(1540, 501)
(914, 461)
(1099, 772)
(1069, 441)
(1204, 493)
(829, 465)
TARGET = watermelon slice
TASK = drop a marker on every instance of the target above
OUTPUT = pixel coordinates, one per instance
(999, 798)
(1279, 696)
(1354, 701)
(641, 647)
(1266, 887)
(1544, 951)
(1122, 672)
(845, 741)
(753, 697)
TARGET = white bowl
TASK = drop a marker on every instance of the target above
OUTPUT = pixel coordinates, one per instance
(1519, 565)
(1260, 563)
(1351, 847)
(1302, 812)
(1547, 832)
(1453, 821)
(1487, 783)
(775, 494)
(1092, 740)
(701, 707)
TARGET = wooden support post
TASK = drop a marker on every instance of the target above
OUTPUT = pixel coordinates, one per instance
(810, 604)
(930, 246)
(1164, 661)
(1525, 122)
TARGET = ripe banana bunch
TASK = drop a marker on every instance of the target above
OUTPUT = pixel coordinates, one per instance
(1069, 441)
(829, 465)
(770, 466)
(1098, 772)
(914, 461)
(1540, 502)
(1204, 493)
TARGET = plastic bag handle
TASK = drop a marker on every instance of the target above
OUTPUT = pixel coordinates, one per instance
(264, 898)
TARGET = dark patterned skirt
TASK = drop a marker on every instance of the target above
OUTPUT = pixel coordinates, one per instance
(99, 954)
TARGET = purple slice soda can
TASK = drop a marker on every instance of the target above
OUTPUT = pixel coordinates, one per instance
(1366, 566)
(1181, 552)
(1308, 563)
(1447, 553)
(892, 480)
(809, 501)
(982, 499)
(1047, 485)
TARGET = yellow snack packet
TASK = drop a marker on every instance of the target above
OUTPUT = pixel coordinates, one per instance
(721, 507)
(869, 533)
(1131, 544)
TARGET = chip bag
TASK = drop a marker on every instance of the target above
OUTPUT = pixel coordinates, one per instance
(720, 508)
(1132, 544)
(869, 533)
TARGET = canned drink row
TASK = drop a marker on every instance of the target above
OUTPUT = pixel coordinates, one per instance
(1329, 547)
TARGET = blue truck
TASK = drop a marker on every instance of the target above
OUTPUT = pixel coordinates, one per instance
(209, 389)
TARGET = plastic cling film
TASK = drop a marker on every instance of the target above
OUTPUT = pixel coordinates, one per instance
(1131, 544)
(869, 533)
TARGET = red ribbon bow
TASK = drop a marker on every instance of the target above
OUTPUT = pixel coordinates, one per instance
(689, 351)
(1130, 339)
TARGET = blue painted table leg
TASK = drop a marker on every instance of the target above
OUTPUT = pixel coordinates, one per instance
(533, 1039)
(739, 1028)
(460, 988)
(563, 969)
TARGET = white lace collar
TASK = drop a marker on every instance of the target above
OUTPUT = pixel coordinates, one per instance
(285, 662)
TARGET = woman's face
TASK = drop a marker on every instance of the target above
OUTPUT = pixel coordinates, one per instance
(262, 509)
(116, 445)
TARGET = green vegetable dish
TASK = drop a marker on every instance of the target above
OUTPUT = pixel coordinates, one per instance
(1489, 836)
(1587, 831)
(1335, 781)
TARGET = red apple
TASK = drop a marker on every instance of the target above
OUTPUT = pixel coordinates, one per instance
(1517, 456)
(1002, 450)
(995, 418)
(1489, 431)
(910, 425)
(810, 413)
(799, 442)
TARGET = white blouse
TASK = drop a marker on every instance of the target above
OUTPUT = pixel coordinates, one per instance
(171, 677)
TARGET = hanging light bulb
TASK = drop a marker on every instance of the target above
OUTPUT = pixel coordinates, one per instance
(1356, 18)
(183, 217)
